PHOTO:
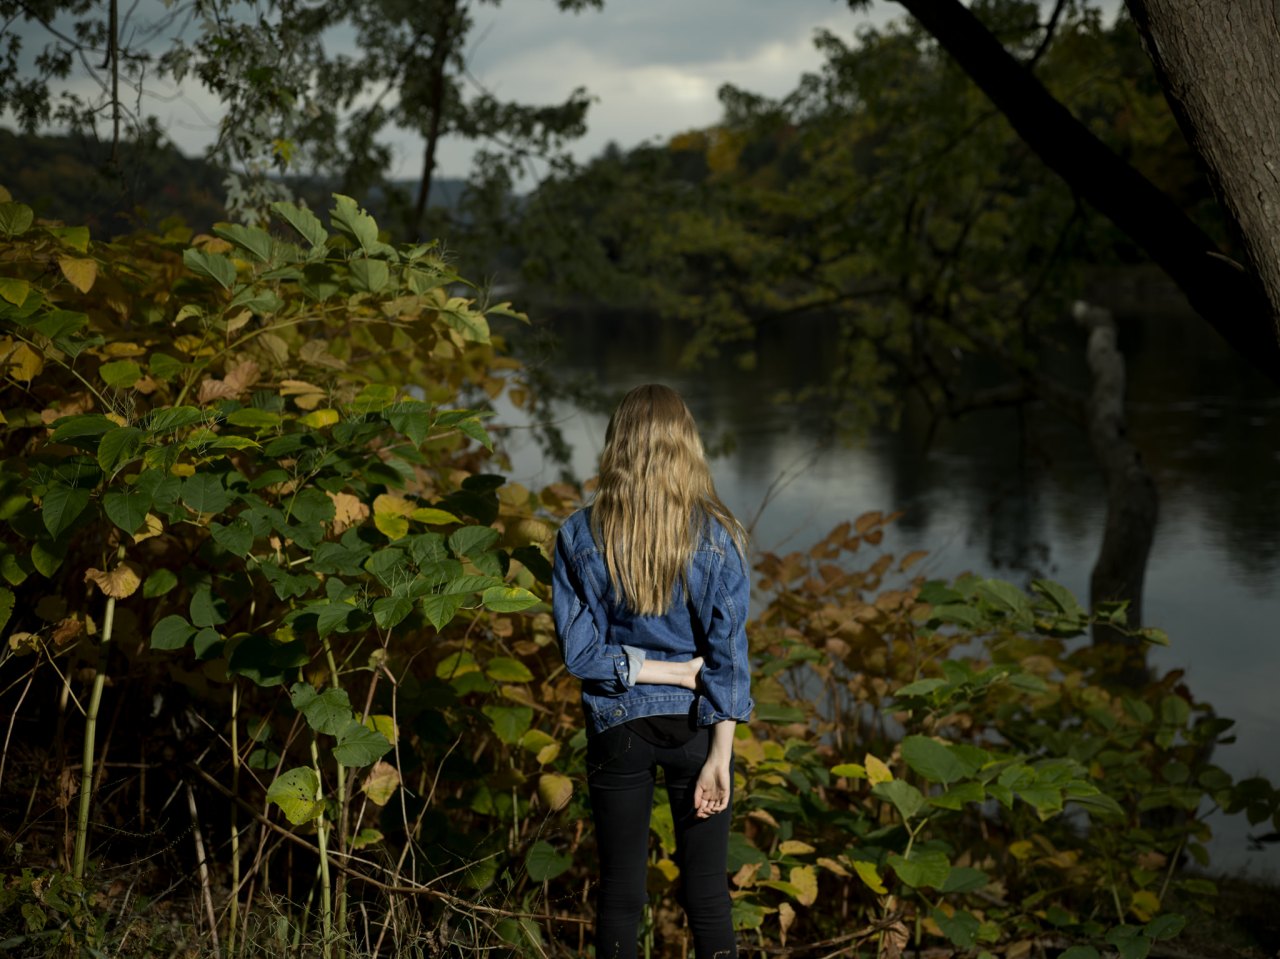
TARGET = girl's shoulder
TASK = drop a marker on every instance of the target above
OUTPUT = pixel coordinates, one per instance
(576, 529)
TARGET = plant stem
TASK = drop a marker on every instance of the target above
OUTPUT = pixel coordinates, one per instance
(322, 836)
(233, 908)
(341, 918)
(90, 732)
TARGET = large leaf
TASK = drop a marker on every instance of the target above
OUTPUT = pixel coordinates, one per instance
(326, 712)
(359, 746)
(6, 605)
(172, 632)
(509, 722)
(15, 218)
(902, 794)
(924, 868)
(302, 220)
(369, 275)
(296, 792)
(127, 508)
(939, 762)
(508, 599)
(253, 240)
(543, 863)
(213, 265)
(349, 218)
(61, 506)
(204, 493)
(119, 447)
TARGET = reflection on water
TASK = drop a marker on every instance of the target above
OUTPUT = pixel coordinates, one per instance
(1007, 493)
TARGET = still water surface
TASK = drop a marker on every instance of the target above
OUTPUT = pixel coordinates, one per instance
(1006, 494)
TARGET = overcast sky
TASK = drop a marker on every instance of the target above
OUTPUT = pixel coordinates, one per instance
(654, 66)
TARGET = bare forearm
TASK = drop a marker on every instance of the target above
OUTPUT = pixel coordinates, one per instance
(722, 742)
(661, 673)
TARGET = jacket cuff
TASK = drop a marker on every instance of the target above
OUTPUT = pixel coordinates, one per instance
(635, 656)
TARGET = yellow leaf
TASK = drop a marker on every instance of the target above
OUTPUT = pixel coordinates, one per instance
(307, 396)
(555, 790)
(1144, 905)
(384, 724)
(670, 871)
(806, 882)
(912, 558)
(786, 916)
(867, 873)
(794, 847)
(390, 515)
(348, 511)
(380, 782)
(319, 419)
(433, 516)
(151, 527)
(1021, 850)
(183, 469)
(80, 273)
(123, 350)
(276, 346)
(877, 771)
(831, 866)
(19, 361)
(239, 320)
(548, 753)
(117, 419)
(5, 195)
(120, 583)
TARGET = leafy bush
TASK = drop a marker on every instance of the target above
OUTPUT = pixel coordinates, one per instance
(244, 479)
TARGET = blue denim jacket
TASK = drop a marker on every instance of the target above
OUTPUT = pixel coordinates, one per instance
(604, 643)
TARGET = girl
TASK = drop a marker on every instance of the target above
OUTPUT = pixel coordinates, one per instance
(650, 598)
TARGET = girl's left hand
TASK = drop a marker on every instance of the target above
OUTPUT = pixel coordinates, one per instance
(711, 794)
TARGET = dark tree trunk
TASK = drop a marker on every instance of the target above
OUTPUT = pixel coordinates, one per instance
(437, 65)
(1132, 503)
(1219, 65)
(1231, 299)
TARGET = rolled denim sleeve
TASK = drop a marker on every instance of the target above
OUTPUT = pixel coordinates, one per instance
(726, 675)
(581, 627)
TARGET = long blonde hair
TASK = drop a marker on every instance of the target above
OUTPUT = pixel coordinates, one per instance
(654, 499)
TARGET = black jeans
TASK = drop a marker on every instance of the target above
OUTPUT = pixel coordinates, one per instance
(621, 772)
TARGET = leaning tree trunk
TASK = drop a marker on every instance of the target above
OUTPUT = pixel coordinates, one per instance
(1121, 566)
(1219, 65)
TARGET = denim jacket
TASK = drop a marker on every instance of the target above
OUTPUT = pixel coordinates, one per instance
(604, 643)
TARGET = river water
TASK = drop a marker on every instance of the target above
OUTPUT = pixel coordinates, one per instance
(1002, 493)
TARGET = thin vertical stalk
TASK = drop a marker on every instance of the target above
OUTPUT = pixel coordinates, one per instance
(233, 907)
(90, 733)
(322, 836)
(340, 919)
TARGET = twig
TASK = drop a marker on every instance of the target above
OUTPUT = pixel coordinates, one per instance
(203, 867)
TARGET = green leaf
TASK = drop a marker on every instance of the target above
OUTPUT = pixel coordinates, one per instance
(76, 427)
(508, 599)
(368, 275)
(959, 796)
(938, 762)
(76, 237)
(350, 219)
(158, 583)
(778, 713)
(304, 221)
(412, 418)
(543, 863)
(902, 794)
(236, 537)
(162, 488)
(127, 508)
(172, 632)
(204, 493)
(47, 556)
(1061, 597)
(374, 398)
(295, 792)
(459, 314)
(509, 722)
(164, 368)
(253, 240)
(168, 419)
(390, 611)
(358, 745)
(207, 609)
(254, 418)
(61, 506)
(206, 642)
(119, 448)
(266, 662)
(213, 265)
(921, 687)
(14, 290)
(58, 323)
(326, 712)
(15, 218)
(1161, 927)
(924, 868)
(121, 374)
(961, 928)
(964, 879)
(6, 605)
(504, 669)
